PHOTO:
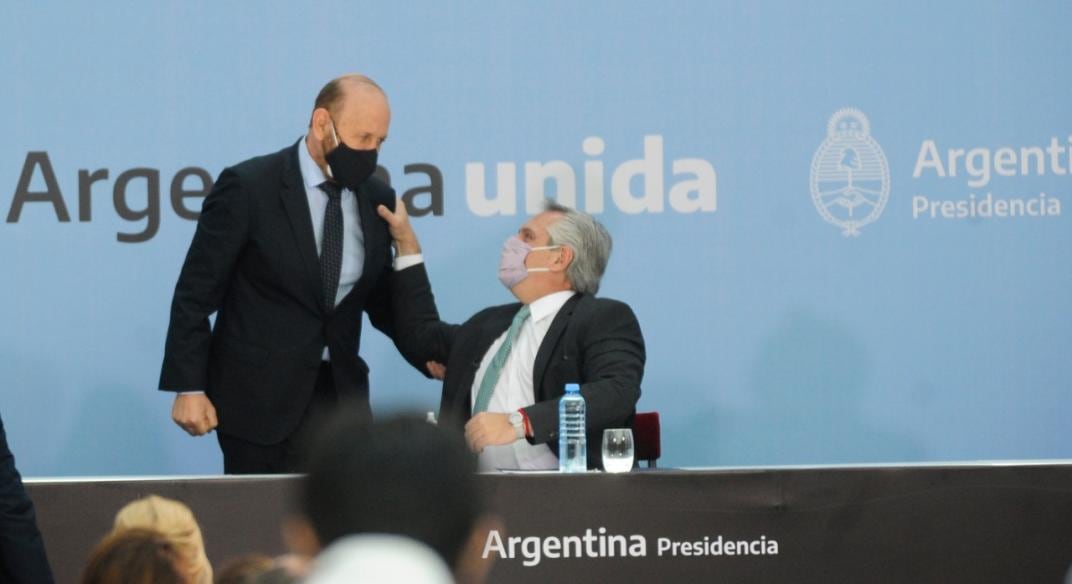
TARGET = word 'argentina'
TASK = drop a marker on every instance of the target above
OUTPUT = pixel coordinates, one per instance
(980, 164)
(533, 549)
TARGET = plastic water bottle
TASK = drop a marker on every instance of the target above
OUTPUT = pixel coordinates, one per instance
(572, 446)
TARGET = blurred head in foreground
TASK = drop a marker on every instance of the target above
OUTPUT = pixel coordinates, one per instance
(244, 569)
(379, 559)
(262, 569)
(175, 522)
(402, 477)
(135, 556)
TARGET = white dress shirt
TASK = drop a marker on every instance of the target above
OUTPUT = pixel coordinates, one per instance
(515, 389)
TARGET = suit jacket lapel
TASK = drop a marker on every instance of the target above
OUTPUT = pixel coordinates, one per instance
(370, 234)
(296, 203)
(550, 341)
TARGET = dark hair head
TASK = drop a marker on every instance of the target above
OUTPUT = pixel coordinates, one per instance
(244, 569)
(401, 476)
(134, 556)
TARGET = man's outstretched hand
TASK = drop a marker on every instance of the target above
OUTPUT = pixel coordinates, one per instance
(401, 231)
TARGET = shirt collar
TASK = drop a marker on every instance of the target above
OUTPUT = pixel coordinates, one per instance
(311, 173)
(549, 305)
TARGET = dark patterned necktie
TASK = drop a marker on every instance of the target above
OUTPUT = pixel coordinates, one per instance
(331, 244)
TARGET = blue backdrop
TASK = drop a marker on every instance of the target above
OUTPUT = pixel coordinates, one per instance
(843, 225)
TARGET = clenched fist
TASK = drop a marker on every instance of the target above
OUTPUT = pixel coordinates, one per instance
(194, 413)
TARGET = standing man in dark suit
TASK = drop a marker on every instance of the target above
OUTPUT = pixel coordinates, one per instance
(22, 552)
(507, 366)
(288, 253)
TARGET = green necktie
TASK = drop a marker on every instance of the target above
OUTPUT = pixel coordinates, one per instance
(491, 376)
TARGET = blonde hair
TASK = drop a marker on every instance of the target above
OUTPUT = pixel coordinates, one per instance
(176, 523)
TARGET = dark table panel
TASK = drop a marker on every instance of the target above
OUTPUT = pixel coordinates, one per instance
(1009, 523)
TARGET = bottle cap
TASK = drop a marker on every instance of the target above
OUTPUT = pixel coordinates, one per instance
(573, 388)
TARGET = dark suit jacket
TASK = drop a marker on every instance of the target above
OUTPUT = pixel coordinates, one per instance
(595, 342)
(22, 552)
(253, 262)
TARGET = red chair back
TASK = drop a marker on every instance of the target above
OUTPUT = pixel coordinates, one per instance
(647, 437)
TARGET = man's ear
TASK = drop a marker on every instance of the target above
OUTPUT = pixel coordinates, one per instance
(321, 122)
(299, 536)
(563, 260)
(472, 567)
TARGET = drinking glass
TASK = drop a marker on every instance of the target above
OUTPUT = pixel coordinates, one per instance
(617, 450)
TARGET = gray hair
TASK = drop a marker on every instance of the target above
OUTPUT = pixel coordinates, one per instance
(590, 242)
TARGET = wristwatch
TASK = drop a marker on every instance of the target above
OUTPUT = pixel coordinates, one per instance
(518, 422)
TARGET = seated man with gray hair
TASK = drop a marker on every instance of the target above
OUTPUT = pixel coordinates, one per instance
(507, 366)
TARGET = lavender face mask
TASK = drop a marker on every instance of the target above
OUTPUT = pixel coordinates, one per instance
(512, 268)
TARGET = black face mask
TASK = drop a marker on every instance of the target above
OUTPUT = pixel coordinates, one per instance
(350, 167)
